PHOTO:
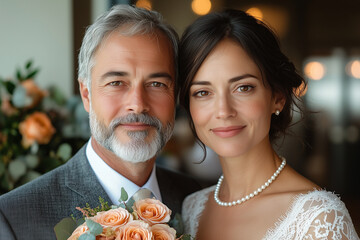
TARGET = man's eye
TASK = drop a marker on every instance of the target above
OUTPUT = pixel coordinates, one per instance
(116, 83)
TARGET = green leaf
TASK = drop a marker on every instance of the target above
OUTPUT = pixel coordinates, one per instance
(28, 64)
(64, 228)
(32, 74)
(186, 237)
(64, 151)
(57, 95)
(94, 227)
(32, 161)
(10, 86)
(87, 236)
(20, 98)
(177, 224)
(124, 196)
(17, 169)
(19, 75)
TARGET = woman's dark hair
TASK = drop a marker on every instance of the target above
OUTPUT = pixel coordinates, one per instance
(259, 42)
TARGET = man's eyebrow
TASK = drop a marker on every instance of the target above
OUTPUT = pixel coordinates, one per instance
(124, 74)
(161, 75)
(114, 74)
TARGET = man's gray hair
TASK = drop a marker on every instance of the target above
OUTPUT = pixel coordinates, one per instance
(134, 20)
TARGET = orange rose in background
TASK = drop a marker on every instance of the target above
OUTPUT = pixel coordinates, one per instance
(163, 232)
(152, 211)
(113, 218)
(34, 92)
(135, 230)
(37, 127)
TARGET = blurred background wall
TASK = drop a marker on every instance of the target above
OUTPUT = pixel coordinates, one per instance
(322, 38)
(39, 30)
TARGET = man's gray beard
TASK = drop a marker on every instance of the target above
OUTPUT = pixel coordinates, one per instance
(137, 150)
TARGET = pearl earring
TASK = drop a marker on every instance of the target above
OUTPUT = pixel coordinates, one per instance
(277, 112)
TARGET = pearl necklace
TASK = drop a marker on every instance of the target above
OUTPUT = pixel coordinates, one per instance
(251, 195)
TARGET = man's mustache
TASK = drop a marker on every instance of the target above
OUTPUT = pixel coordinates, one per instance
(133, 118)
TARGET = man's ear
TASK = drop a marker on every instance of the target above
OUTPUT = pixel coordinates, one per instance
(279, 101)
(85, 96)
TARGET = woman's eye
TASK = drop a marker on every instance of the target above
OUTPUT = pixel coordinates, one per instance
(157, 84)
(201, 93)
(245, 88)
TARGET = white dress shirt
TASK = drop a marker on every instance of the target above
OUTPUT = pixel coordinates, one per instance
(112, 181)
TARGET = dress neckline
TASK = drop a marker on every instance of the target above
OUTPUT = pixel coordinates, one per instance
(283, 219)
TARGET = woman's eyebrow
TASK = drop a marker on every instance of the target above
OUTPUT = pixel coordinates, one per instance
(231, 80)
(238, 78)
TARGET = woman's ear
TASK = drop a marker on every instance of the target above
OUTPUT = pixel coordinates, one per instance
(279, 102)
(85, 96)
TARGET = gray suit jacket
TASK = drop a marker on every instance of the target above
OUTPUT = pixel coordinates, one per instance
(31, 211)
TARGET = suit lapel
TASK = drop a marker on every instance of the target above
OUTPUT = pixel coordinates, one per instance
(81, 179)
(170, 196)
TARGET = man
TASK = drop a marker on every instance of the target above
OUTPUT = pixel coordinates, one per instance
(127, 71)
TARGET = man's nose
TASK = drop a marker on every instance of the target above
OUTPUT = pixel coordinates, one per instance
(137, 101)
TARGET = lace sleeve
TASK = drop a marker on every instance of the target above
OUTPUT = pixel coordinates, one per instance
(332, 224)
(192, 209)
(315, 215)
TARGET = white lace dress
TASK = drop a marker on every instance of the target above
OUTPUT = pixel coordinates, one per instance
(315, 215)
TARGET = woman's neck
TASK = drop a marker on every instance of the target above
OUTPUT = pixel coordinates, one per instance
(244, 174)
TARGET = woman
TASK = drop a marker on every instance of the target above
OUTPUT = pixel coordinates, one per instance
(238, 88)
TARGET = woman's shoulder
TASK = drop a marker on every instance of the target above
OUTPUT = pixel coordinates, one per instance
(315, 213)
(320, 200)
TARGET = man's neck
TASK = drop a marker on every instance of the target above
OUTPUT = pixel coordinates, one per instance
(138, 173)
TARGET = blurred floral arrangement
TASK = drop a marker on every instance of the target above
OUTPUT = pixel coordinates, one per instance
(39, 129)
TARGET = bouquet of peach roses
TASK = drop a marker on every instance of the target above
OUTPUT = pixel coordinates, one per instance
(147, 220)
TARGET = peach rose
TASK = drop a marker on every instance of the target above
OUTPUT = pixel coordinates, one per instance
(152, 211)
(33, 91)
(163, 232)
(36, 127)
(78, 232)
(137, 230)
(113, 218)
(107, 234)
(7, 108)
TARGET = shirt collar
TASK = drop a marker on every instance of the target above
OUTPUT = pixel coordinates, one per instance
(112, 181)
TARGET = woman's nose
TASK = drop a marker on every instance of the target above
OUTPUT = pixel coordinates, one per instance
(225, 108)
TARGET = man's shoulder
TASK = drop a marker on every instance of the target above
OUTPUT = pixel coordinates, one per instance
(38, 188)
(37, 206)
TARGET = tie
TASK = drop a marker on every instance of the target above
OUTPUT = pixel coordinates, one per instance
(142, 193)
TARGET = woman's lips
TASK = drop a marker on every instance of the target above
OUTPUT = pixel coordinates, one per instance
(226, 132)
